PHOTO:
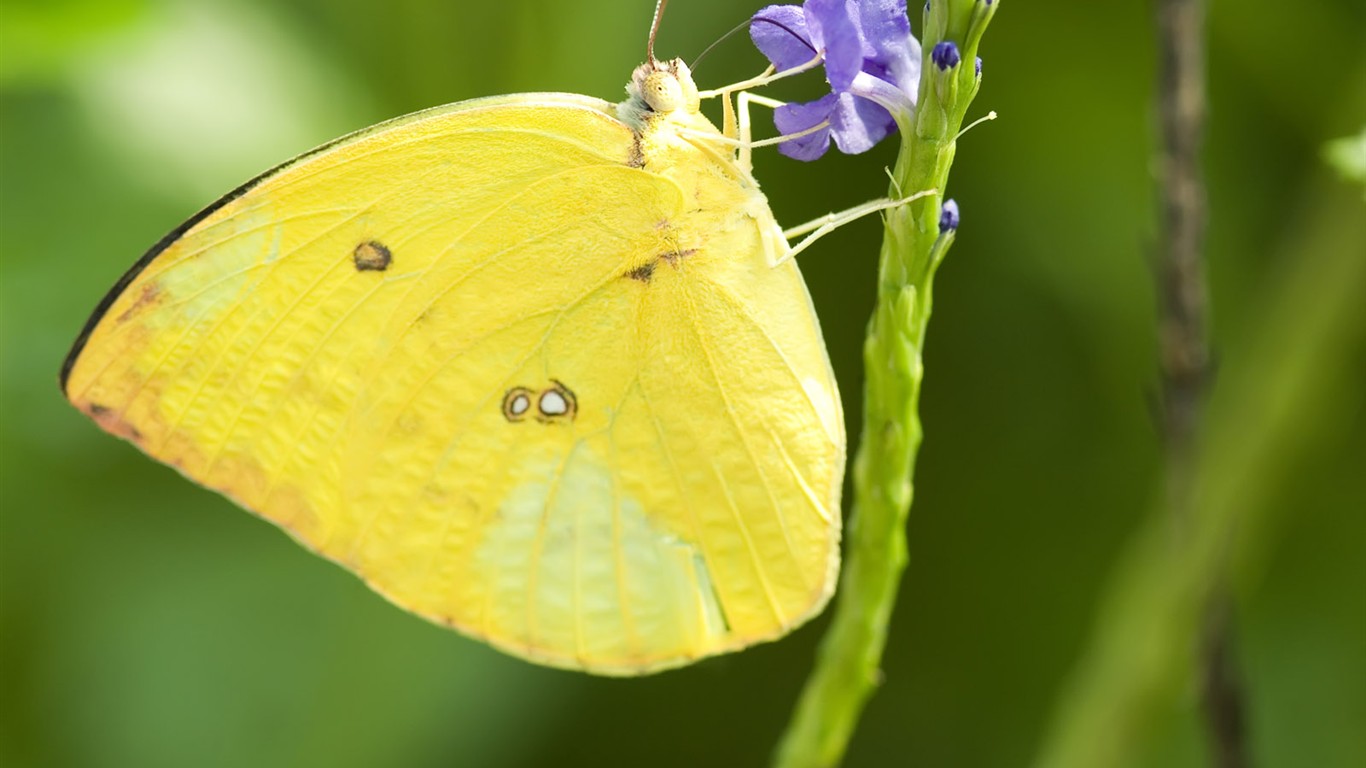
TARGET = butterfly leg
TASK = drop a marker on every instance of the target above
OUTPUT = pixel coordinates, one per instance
(817, 228)
(738, 130)
(728, 128)
(743, 144)
(745, 150)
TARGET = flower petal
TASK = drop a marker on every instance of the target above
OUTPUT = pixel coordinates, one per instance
(795, 118)
(888, 41)
(833, 30)
(884, 25)
(779, 32)
(871, 60)
(881, 91)
(858, 124)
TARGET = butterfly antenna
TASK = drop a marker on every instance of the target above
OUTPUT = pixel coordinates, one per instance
(719, 40)
(654, 30)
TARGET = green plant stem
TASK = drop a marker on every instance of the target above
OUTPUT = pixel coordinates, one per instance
(847, 666)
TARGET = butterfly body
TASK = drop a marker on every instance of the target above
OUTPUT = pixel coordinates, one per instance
(523, 364)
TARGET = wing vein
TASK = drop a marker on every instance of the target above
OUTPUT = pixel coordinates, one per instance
(735, 302)
(758, 468)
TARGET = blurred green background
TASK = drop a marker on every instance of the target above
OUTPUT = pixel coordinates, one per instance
(147, 622)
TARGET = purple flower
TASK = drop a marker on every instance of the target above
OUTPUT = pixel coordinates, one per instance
(872, 63)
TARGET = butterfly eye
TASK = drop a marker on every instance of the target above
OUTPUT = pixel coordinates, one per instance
(516, 403)
(662, 92)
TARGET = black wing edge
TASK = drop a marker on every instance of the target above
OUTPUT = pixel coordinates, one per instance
(147, 258)
(136, 269)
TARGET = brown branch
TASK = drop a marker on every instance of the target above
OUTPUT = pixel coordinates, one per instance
(1185, 354)
(1221, 689)
(1183, 338)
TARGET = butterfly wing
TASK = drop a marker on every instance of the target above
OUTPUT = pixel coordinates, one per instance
(470, 355)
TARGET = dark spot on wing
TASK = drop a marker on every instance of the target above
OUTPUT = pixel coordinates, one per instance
(372, 255)
(644, 272)
(554, 404)
(673, 257)
(557, 403)
(517, 404)
(112, 422)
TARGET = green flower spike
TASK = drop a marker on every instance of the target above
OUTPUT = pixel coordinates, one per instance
(915, 240)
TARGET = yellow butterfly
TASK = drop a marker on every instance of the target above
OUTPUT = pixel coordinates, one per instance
(536, 367)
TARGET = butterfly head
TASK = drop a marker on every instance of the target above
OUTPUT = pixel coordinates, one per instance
(660, 88)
